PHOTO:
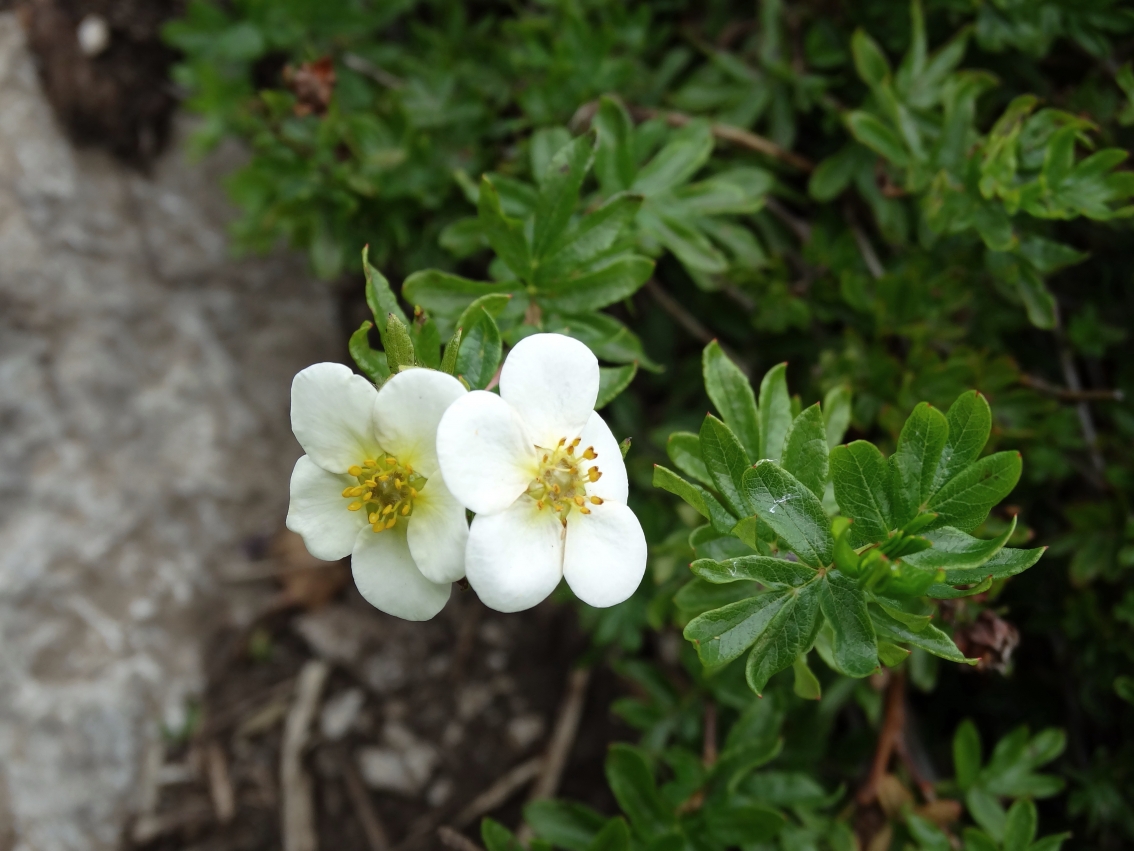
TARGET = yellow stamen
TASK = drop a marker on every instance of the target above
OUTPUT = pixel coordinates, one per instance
(369, 462)
(391, 522)
(354, 506)
(373, 518)
(355, 470)
(387, 509)
(584, 510)
(596, 500)
(539, 504)
(390, 462)
(579, 500)
(589, 453)
(594, 474)
(405, 510)
(348, 491)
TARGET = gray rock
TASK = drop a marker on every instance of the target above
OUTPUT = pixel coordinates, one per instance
(144, 435)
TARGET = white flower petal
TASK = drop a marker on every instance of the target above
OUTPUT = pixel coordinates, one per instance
(332, 416)
(487, 456)
(515, 558)
(318, 511)
(387, 577)
(406, 413)
(553, 382)
(437, 533)
(604, 558)
(613, 483)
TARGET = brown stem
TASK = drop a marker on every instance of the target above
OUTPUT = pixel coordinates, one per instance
(457, 841)
(890, 735)
(687, 320)
(1041, 385)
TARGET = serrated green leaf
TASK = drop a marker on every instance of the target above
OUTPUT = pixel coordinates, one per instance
(724, 634)
(701, 500)
(854, 646)
(768, 571)
(559, 192)
(481, 350)
(970, 423)
(369, 361)
(775, 413)
(966, 754)
(792, 510)
(504, 234)
(726, 462)
(618, 279)
(399, 346)
(732, 396)
(915, 461)
(632, 783)
(684, 450)
(790, 632)
(965, 500)
(612, 381)
(806, 452)
(859, 474)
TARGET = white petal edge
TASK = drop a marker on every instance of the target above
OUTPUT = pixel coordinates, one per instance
(552, 381)
(332, 412)
(318, 511)
(487, 456)
(514, 558)
(604, 558)
(613, 484)
(386, 575)
(406, 412)
(437, 533)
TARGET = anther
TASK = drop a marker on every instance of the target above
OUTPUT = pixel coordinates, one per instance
(539, 505)
(579, 500)
(405, 510)
(378, 527)
(366, 495)
(589, 453)
(348, 491)
(387, 509)
(594, 474)
(369, 462)
(355, 470)
(595, 500)
(373, 518)
(390, 462)
(584, 510)
(354, 506)
(562, 440)
(390, 523)
(412, 492)
(384, 477)
(571, 449)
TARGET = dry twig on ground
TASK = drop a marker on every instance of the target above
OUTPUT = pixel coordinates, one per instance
(297, 824)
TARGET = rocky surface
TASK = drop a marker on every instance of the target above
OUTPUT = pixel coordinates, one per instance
(143, 438)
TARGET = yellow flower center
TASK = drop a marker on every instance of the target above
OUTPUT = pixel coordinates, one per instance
(563, 476)
(386, 490)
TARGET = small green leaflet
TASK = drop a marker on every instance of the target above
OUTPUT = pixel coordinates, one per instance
(792, 510)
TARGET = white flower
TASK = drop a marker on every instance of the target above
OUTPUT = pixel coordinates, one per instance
(369, 485)
(547, 482)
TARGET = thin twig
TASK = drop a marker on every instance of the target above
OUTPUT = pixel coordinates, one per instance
(368, 69)
(865, 248)
(457, 841)
(1086, 420)
(298, 808)
(563, 736)
(709, 741)
(688, 321)
(1064, 394)
(500, 791)
(888, 737)
(798, 226)
(376, 836)
(220, 783)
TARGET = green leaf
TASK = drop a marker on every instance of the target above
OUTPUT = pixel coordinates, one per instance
(869, 61)
(986, 811)
(775, 413)
(723, 634)
(744, 824)
(792, 510)
(589, 238)
(965, 500)
(379, 297)
(632, 783)
(891, 655)
(559, 192)
(732, 396)
(678, 161)
(915, 461)
(615, 164)
(505, 235)
(726, 462)
(497, 837)
(790, 632)
(1020, 826)
(546, 142)
(564, 824)
(806, 452)
(492, 303)
(806, 684)
(448, 295)
(612, 381)
(426, 343)
(399, 346)
(871, 132)
(770, 572)
(1050, 843)
(600, 287)
(929, 638)
(480, 351)
(958, 551)
(970, 423)
(859, 474)
(369, 361)
(1037, 298)
(684, 450)
(700, 499)
(854, 647)
(966, 754)
(834, 174)
(615, 836)
(837, 414)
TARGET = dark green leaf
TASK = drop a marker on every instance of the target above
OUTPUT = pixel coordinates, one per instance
(426, 343)
(582, 243)
(732, 395)
(734, 824)
(836, 414)
(379, 297)
(678, 161)
(497, 837)
(1020, 826)
(704, 502)
(859, 474)
(615, 836)
(792, 510)
(775, 413)
(790, 632)
(505, 235)
(768, 571)
(559, 192)
(806, 684)
(724, 634)
(726, 463)
(806, 452)
(954, 550)
(632, 783)
(844, 606)
(966, 754)
(452, 348)
(480, 352)
(970, 423)
(914, 463)
(612, 381)
(615, 165)
(869, 60)
(601, 287)
(564, 824)
(546, 142)
(448, 295)
(369, 361)
(399, 346)
(930, 638)
(965, 500)
(986, 811)
(492, 303)
(871, 132)
(684, 450)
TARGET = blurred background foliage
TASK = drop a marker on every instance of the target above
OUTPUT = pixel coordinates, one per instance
(901, 202)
